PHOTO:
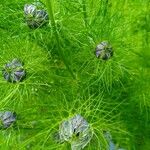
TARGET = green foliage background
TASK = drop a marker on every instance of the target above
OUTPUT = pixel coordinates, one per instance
(65, 78)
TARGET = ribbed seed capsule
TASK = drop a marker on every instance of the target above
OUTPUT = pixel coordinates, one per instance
(29, 9)
(7, 118)
(35, 15)
(111, 144)
(104, 50)
(75, 130)
(13, 71)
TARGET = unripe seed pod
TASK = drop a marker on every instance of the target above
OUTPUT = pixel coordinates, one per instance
(29, 9)
(111, 143)
(35, 15)
(104, 50)
(13, 71)
(7, 118)
(77, 131)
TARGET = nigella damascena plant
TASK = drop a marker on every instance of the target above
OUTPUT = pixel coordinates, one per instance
(35, 15)
(14, 71)
(104, 50)
(76, 131)
(7, 119)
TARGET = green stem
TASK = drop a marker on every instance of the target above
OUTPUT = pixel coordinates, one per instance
(84, 12)
(60, 51)
(105, 7)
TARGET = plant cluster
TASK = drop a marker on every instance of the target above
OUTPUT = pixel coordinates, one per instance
(75, 75)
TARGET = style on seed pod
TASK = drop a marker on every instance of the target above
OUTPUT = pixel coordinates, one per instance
(76, 131)
(35, 15)
(104, 50)
(14, 71)
(7, 118)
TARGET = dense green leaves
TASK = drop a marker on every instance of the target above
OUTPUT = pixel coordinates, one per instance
(64, 78)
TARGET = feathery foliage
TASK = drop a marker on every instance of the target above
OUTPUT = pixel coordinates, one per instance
(64, 77)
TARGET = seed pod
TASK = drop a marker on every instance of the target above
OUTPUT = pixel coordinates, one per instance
(65, 131)
(104, 50)
(30, 9)
(7, 118)
(111, 144)
(77, 131)
(109, 140)
(35, 15)
(13, 71)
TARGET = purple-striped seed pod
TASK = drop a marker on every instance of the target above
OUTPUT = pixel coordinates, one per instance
(104, 51)
(76, 131)
(7, 118)
(29, 9)
(35, 15)
(111, 143)
(13, 71)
